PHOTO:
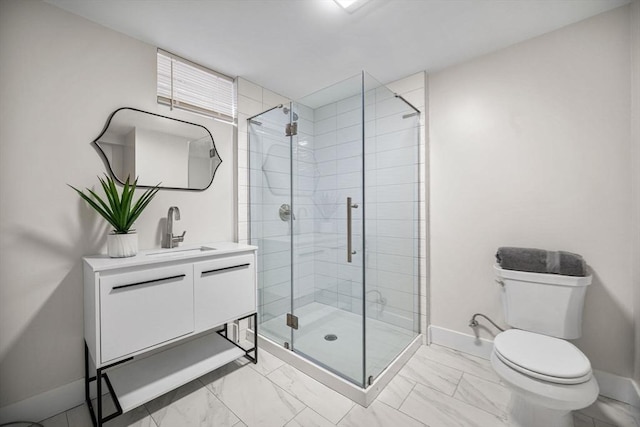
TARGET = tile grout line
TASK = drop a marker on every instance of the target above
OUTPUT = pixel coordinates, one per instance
(475, 406)
(455, 353)
(320, 415)
(153, 420)
(484, 379)
(458, 385)
(404, 413)
(468, 404)
(220, 400)
(349, 411)
(285, 391)
(452, 396)
(407, 396)
(462, 370)
(481, 409)
(307, 406)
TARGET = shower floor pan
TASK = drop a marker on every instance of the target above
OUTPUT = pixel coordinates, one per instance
(384, 343)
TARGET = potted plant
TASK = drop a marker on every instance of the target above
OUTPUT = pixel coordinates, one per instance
(120, 212)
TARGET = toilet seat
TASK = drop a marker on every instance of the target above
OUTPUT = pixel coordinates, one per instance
(545, 394)
(542, 357)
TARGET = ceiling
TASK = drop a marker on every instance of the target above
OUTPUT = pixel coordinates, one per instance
(295, 47)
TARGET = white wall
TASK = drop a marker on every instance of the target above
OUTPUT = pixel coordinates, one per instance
(635, 158)
(530, 146)
(61, 77)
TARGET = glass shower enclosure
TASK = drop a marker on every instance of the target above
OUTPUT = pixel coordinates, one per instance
(333, 208)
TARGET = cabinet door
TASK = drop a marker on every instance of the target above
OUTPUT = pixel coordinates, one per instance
(143, 308)
(225, 289)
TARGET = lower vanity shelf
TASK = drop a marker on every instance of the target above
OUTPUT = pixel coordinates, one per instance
(140, 381)
(134, 382)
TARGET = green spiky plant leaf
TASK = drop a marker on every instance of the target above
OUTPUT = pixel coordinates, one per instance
(118, 209)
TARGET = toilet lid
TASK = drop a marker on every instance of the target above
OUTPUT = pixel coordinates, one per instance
(543, 357)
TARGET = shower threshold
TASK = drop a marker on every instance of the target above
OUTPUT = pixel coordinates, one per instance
(361, 396)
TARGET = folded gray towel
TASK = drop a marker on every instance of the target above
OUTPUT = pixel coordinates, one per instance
(541, 261)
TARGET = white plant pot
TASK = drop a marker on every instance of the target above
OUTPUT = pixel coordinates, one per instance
(122, 245)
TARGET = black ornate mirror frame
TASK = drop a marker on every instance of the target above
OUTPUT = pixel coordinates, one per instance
(108, 164)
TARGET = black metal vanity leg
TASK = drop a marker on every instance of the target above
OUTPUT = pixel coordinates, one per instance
(99, 396)
(255, 336)
(87, 397)
(87, 383)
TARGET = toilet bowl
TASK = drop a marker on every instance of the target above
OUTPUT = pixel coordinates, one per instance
(548, 376)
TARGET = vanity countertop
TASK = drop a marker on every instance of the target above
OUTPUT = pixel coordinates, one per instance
(156, 256)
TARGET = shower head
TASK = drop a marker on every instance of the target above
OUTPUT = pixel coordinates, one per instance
(286, 111)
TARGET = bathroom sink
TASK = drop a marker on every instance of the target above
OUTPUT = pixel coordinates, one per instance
(180, 252)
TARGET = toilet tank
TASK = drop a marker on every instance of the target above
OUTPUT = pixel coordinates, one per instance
(549, 304)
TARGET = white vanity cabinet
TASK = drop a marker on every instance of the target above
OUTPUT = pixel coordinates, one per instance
(142, 308)
(224, 290)
(156, 321)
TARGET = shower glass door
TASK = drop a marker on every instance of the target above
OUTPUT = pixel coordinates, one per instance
(271, 219)
(327, 199)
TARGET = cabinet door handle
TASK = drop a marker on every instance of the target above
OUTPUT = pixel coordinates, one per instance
(226, 268)
(146, 282)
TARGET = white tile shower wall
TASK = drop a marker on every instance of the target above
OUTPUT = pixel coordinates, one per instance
(394, 164)
(337, 151)
(392, 176)
(414, 89)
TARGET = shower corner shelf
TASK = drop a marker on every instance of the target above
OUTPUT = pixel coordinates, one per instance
(151, 327)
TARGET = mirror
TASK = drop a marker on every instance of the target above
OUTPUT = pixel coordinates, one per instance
(158, 149)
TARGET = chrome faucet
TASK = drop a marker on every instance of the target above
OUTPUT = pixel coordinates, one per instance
(171, 241)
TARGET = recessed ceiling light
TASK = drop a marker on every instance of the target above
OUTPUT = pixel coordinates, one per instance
(350, 5)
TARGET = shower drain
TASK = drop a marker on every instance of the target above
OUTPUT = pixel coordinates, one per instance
(330, 337)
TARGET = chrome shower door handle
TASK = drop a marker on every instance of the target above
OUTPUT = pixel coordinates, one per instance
(350, 250)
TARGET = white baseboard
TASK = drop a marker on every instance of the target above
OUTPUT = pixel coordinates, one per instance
(612, 386)
(619, 388)
(465, 343)
(45, 405)
(636, 388)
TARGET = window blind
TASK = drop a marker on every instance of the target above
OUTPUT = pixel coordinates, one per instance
(188, 86)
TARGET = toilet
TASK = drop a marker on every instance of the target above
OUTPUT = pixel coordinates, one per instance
(548, 376)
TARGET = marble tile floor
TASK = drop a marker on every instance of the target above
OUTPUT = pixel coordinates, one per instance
(438, 387)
